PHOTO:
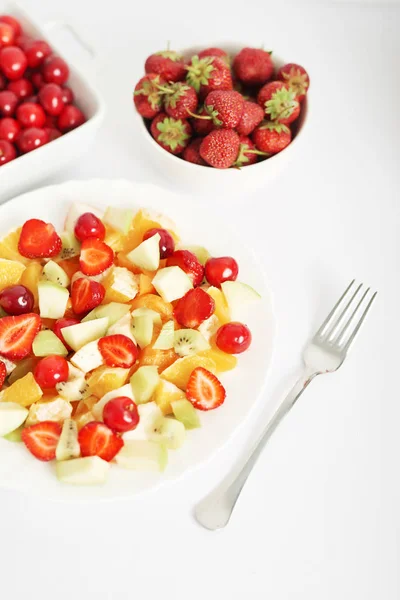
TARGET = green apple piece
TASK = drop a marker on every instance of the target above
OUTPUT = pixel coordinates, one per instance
(185, 412)
(170, 432)
(143, 455)
(16, 435)
(139, 312)
(200, 252)
(12, 415)
(144, 382)
(119, 218)
(143, 330)
(90, 470)
(123, 327)
(165, 340)
(70, 245)
(68, 445)
(189, 341)
(125, 390)
(114, 311)
(88, 357)
(238, 297)
(172, 283)
(53, 300)
(147, 254)
(149, 414)
(81, 334)
(46, 342)
(53, 272)
(75, 388)
(76, 210)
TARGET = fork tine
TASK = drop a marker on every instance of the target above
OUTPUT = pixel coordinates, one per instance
(329, 318)
(360, 322)
(339, 320)
(341, 334)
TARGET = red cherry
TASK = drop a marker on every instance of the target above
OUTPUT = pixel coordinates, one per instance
(167, 244)
(67, 95)
(50, 97)
(31, 115)
(37, 80)
(8, 103)
(70, 118)
(7, 152)
(121, 414)
(89, 226)
(32, 138)
(13, 22)
(55, 70)
(60, 324)
(16, 300)
(233, 338)
(218, 270)
(22, 41)
(3, 82)
(52, 133)
(36, 51)
(32, 99)
(13, 62)
(7, 35)
(22, 88)
(51, 370)
(9, 129)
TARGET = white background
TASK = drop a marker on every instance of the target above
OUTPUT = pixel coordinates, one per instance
(319, 518)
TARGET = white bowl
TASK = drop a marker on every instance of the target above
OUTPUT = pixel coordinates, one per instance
(199, 179)
(26, 170)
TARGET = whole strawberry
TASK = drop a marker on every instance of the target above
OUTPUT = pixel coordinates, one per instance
(253, 66)
(168, 64)
(218, 52)
(172, 134)
(220, 148)
(208, 74)
(272, 137)
(224, 108)
(147, 95)
(296, 78)
(191, 153)
(278, 102)
(179, 100)
(252, 116)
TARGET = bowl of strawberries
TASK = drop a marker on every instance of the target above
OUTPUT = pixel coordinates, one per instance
(208, 113)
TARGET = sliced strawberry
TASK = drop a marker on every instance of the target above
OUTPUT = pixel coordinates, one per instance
(189, 263)
(86, 295)
(195, 307)
(17, 335)
(3, 373)
(42, 439)
(39, 240)
(96, 439)
(59, 324)
(118, 351)
(95, 257)
(204, 390)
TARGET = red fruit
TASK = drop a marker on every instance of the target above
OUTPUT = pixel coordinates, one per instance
(202, 126)
(253, 66)
(52, 133)
(13, 22)
(252, 116)
(171, 134)
(272, 137)
(217, 52)
(22, 88)
(278, 102)
(31, 115)
(86, 295)
(96, 439)
(248, 153)
(225, 108)
(37, 80)
(168, 64)
(148, 96)
(67, 95)
(36, 51)
(51, 370)
(70, 118)
(55, 70)
(233, 338)
(195, 307)
(7, 152)
(22, 41)
(9, 129)
(189, 263)
(51, 98)
(118, 351)
(208, 74)
(218, 270)
(32, 138)
(166, 243)
(16, 300)
(89, 226)
(8, 103)
(121, 414)
(34, 99)
(3, 373)
(17, 335)
(220, 148)
(7, 35)
(3, 82)
(180, 100)
(39, 240)
(191, 153)
(13, 62)
(59, 325)
(95, 257)
(204, 390)
(296, 78)
(42, 439)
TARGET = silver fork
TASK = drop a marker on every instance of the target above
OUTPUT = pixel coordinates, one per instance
(325, 353)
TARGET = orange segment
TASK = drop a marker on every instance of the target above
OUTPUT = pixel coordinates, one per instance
(221, 306)
(30, 278)
(142, 222)
(145, 285)
(24, 391)
(114, 239)
(10, 272)
(85, 406)
(70, 266)
(105, 379)
(223, 361)
(154, 302)
(81, 420)
(159, 358)
(179, 372)
(9, 247)
(166, 392)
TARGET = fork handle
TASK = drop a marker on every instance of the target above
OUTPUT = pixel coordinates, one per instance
(215, 510)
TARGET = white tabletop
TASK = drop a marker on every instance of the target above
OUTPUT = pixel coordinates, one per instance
(319, 517)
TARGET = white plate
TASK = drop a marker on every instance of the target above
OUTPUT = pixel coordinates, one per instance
(18, 469)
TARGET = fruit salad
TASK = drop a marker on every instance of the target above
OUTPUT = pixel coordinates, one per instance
(113, 339)
(214, 111)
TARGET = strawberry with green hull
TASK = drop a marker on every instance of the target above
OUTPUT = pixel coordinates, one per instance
(147, 95)
(168, 64)
(192, 153)
(296, 78)
(171, 134)
(180, 100)
(208, 74)
(224, 108)
(252, 116)
(271, 137)
(248, 153)
(278, 102)
(220, 148)
(253, 66)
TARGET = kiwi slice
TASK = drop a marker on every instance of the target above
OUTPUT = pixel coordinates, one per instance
(189, 341)
(53, 272)
(168, 431)
(68, 445)
(185, 412)
(70, 246)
